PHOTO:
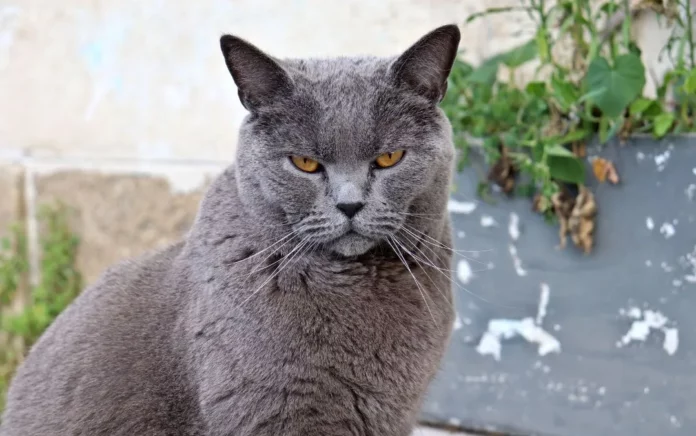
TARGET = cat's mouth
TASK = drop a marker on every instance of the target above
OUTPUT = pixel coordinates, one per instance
(352, 244)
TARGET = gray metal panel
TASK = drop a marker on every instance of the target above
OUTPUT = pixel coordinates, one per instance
(593, 386)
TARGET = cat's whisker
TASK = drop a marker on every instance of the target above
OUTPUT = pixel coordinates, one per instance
(284, 238)
(429, 245)
(416, 259)
(441, 245)
(420, 288)
(434, 242)
(291, 255)
(258, 267)
(449, 275)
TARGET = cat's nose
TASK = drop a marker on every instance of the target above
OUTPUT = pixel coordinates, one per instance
(350, 209)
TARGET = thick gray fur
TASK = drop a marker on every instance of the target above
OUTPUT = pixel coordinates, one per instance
(278, 314)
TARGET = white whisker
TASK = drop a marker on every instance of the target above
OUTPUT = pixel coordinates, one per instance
(420, 288)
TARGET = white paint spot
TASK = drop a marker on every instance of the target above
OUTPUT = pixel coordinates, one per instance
(666, 267)
(640, 156)
(674, 421)
(667, 230)
(691, 192)
(488, 221)
(671, 342)
(648, 263)
(517, 262)
(502, 329)
(461, 234)
(649, 223)
(514, 226)
(693, 170)
(465, 207)
(645, 322)
(661, 160)
(464, 273)
(528, 328)
(543, 303)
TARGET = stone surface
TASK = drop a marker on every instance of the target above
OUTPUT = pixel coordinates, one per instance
(118, 216)
(623, 316)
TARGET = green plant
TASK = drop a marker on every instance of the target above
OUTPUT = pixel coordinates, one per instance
(59, 284)
(539, 130)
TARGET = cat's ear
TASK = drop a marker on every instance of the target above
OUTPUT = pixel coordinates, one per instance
(259, 78)
(425, 66)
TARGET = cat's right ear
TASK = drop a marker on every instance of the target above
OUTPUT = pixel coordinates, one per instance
(259, 78)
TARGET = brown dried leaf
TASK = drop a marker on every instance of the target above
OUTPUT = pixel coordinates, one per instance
(503, 172)
(579, 149)
(604, 169)
(581, 223)
(563, 203)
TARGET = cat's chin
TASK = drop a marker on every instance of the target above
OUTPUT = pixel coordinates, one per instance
(352, 244)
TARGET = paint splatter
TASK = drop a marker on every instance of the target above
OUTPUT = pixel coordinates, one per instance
(661, 160)
(465, 207)
(527, 328)
(644, 322)
(649, 223)
(543, 303)
(488, 221)
(464, 273)
(514, 226)
(516, 261)
(667, 230)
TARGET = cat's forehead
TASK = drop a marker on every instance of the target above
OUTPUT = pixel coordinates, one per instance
(348, 109)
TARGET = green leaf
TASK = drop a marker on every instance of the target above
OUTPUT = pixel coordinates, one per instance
(558, 151)
(565, 166)
(640, 105)
(542, 43)
(620, 83)
(573, 136)
(520, 55)
(486, 73)
(565, 93)
(662, 124)
(690, 83)
(536, 89)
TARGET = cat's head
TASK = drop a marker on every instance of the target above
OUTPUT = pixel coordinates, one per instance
(344, 151)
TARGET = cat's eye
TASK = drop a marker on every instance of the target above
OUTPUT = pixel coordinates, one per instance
(387, 160)
(305, 164)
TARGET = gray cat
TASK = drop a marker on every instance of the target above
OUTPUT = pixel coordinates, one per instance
(312, 295)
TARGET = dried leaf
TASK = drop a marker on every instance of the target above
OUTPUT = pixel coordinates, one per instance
(579, 149)
(604, 169)
(581, 223)
(503, 173)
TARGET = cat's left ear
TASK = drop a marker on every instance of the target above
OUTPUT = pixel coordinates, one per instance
(260, 79)
(426, 65)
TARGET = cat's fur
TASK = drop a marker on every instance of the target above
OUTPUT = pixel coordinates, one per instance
(243, 330)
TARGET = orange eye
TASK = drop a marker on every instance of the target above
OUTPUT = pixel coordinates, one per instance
(387, 160)
(305, 164)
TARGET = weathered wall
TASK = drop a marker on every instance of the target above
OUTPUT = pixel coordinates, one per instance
(123, 108)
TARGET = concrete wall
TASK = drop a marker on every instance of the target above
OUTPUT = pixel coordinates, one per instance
(124, 108)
